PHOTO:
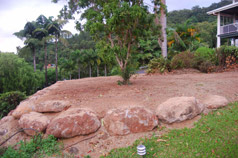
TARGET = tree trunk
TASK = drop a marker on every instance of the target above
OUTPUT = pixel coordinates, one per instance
(34, 59)
(56, 60)
(79, 72)
(162, 40)
(70, 76)
(90, 70)
(46, 80)
(163, 21)
(97, 71)
(105, 70)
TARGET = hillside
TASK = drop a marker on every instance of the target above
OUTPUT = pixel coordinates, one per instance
(102, 94)
(196, 14)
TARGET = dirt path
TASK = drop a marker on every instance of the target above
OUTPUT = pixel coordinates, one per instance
(102, 93)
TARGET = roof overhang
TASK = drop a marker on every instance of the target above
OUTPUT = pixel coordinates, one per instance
(223, 9)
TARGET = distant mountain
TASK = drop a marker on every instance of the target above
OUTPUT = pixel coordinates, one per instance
(196, 14)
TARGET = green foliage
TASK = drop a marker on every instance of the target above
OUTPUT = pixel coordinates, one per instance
(196, 14)
(208, 32)
(159, 64)
(205, 52)
(36, 147)
(119, 23)
(182, 60)
(9, 101)
(214, 135)
(17, 75)
(184, 37)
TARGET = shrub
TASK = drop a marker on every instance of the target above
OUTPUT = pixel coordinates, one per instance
(205, 52)
(36, 147)
(159, 64)
(17, 75)
(182, 60)
(9, 101)
(206, 66)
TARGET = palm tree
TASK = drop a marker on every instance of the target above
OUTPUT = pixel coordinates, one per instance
(31, 42)
(54, 28)
(42, 34)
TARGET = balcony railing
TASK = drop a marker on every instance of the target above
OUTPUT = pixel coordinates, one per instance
(231, 28)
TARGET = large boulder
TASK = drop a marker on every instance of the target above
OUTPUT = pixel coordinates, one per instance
(215, 102)
(73, 122)
(24, 107)
(52, 106)
(179, 109)
(131, 120)
(35, 121)
(8, 127)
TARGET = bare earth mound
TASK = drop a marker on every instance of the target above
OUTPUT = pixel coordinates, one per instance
(102, 93)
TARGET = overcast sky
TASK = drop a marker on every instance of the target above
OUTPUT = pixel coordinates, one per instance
(14, 14)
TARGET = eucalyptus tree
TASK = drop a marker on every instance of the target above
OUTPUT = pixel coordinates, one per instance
(121, 23)
(160, 11)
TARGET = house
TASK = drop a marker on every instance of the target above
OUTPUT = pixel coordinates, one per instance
(227, 22)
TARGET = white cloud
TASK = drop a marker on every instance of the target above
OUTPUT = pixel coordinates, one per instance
(15, 13)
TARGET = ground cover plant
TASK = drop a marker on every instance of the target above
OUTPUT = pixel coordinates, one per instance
(36, 147)
(214, 135)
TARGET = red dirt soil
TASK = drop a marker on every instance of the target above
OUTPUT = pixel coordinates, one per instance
(102, 93)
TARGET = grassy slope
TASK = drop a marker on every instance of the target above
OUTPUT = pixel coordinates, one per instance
(215, 135)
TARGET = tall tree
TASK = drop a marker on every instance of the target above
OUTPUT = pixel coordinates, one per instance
(161, 19)
(42, 34)
(55, 28)
(29, 39)
(118, 22)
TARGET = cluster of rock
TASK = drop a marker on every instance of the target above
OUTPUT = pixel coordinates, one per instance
(72, 122)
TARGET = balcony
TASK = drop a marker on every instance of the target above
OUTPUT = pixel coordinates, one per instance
(229, 30)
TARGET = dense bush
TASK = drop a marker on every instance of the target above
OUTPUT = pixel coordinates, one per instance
(206, 66)
(183, 60)
(17, 75)
(9, 101)
(159, 65)
(36, 147)
(205, 52)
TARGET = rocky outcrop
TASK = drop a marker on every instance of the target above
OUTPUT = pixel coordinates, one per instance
(35, 121)
(9, 126)
(179, 109)
(215, 102)
(73, 122)
(52, 106)
(131, 120)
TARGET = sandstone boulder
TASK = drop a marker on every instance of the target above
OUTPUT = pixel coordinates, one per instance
(9, 126)
(179, 109)
(33, 120)
(131, 120)
(52, 106)
(215, 102)
(24, 107)
(73, 122)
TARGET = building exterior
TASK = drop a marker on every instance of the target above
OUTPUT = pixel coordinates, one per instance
(227, 22)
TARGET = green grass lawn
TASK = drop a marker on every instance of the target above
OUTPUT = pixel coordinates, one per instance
(214, 135)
